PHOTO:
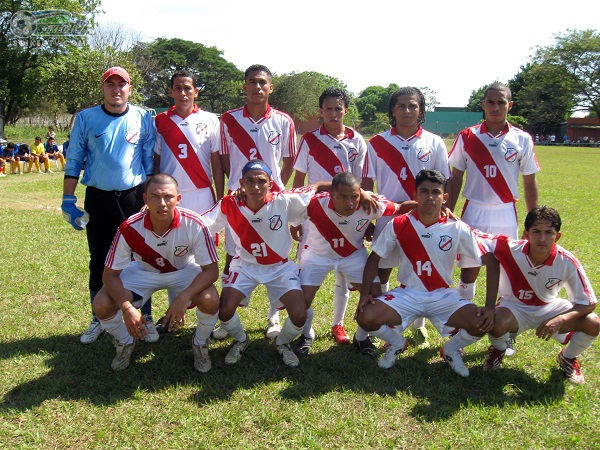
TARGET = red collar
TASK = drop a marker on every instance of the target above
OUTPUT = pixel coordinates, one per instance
(417, 134)
(266, 116)
(172, 111)
(348, 135)
(484, 128)
(176, 223)
(548, 261)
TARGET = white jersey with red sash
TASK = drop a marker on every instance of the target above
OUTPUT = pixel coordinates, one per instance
(427, 253)
(333, 236)
(187, 243)
(271, 139)
(394, 162)
(185, 145)
(263, 236)
(539, 285)
(493, 163)
(321, 156)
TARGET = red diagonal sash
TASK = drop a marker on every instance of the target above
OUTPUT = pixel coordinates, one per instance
(481, 157)
(395, 161)
(328, 229)
(150, 256)
(415, 251)
(241, 138)
(323, 155)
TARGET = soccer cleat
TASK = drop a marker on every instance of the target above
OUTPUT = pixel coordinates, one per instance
(365, 347)
(152, 335)
(391, 355)
(493, 360)
(421, 335)
(510, 347)
(220, 333)
(237, 349)
(455, 361)
(339, 334)
(273, 328)
(287, 355)
(302, 345)
(571, 368)
(202, 362)
(162, 326)
(49, 171)
(123, 357)
(92, 333)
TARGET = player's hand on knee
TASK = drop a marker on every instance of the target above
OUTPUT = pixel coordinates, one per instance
(486, 319)
(362, 302)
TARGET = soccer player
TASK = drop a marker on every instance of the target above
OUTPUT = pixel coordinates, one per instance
(172, 249)
(24, 154)
(259, 229)
(492, 154)
(394, 159)
(533, 272)
(39, 156)
(115, 140)
(334, 241)
(428, 245)
(322, 153)
(257, 131)
(9, 155)
(53, 152)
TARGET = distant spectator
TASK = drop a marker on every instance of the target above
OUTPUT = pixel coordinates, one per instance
(66, 145)
(537, 138)
(566, 139)
(552, 139)
(50, 133)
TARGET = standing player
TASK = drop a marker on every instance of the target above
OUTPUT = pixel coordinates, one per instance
(259, 229)
(323, 153)
(187, 147)
(493, 154)
(115, 140)
(395, 158)
(172, 249)
(428, 244)
(533, 271)
(334, 241)
(257, 131)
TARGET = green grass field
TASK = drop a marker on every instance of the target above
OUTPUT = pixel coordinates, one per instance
(57, 393)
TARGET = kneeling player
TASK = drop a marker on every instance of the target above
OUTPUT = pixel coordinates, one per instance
(172, 249)
(533, 271)
(335, 242)
(428, 244)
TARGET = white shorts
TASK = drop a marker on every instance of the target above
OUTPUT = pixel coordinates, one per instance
(438, 306)
(492, 219)
(314, 268)
(145, 283)
(531, 316)
(393, 259)
(279, 279)
(198, 200)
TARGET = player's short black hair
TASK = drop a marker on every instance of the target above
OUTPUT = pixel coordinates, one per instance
(543, 214)
(258, 68)
(184, 73)
(407, 90)
(37, 138)
(331, 91)
(498, 87)
(25, 147)
(160, 179)
(11, 145)
(435, 176)
(344, 179)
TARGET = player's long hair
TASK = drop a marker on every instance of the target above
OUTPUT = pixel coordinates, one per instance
(407, 90)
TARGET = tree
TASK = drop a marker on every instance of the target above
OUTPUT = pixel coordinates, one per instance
(375, 99)
(474, 103)
(115, 36)
(218, 79)
(298, 93)
(576, 56)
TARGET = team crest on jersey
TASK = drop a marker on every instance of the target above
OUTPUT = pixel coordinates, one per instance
(352, 154)
(201, 128)
(445, 243)
(181, 250)
(424, 154)
(362, 224)
(275, 222)
(132, 136)
(274, 137)
(510, 155)
(552, 283)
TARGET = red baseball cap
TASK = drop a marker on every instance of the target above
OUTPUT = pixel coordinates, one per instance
(118, 71)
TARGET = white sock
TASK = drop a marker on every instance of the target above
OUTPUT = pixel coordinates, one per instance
(499, 343)
(306, 331)
(390, 335)
(560, 337)
(385, 287)
(361, 334)
(341, 295)
(578, 343)
(418, 323)
(206, 323)
(461, 339)
(116, 327)
(234, 327)
(466, 290)
(288, 333)
(273, 312)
